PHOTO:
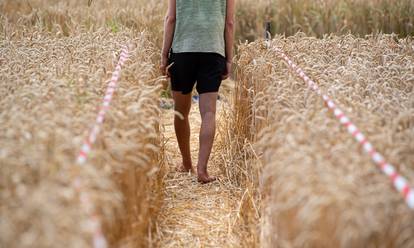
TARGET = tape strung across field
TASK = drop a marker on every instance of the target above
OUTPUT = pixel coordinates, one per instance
(399, 182)
(94, 221)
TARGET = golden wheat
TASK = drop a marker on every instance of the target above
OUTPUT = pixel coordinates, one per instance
(318, 188)
(317, 18)
(302, 180)
(51, 88)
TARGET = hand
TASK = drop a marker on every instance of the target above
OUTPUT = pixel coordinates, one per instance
(227, 71)
(164, 66)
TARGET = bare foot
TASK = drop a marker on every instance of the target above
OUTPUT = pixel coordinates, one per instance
(205, 178)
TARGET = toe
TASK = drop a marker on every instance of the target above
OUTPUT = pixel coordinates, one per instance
(204, 180)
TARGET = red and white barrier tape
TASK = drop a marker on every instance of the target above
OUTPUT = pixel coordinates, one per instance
(94, 221)
(399, 182)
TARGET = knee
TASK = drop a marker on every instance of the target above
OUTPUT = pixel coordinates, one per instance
(208, 116)
(181, 116)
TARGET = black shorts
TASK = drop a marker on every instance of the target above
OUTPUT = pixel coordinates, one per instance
(206, 69)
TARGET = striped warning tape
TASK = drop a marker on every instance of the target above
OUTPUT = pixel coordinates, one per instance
(94, 221)
(86, 147)
(399, 182)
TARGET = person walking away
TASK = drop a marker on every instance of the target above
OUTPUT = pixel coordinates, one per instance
(197, 50)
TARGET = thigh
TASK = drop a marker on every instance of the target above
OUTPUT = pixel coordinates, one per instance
(183, 72)
(210, 71)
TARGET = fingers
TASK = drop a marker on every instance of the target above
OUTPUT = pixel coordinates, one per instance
(227, 71)
(169, 66)
(163, 70)
(167, 70)
(164, 65)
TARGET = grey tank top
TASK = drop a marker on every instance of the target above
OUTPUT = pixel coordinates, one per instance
(199, 26)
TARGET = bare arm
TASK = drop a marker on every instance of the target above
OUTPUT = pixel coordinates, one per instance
(229, 34)
(169, 28)
(229, 29)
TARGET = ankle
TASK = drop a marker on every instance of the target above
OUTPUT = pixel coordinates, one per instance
(202, 172)
(187, 165)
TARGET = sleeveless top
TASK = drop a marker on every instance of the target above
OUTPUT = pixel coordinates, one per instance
(199, 26)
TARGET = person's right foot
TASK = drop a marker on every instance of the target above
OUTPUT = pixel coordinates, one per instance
(205, 178)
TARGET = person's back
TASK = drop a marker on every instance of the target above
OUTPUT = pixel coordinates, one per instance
(200, 26)
(198, 45)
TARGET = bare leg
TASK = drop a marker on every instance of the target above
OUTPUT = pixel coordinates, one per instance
(182, 104)
(207, 132)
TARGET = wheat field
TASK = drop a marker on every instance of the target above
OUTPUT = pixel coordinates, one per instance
(289, 174)
(318, 188)
(318, 18)
(54, 73)
(44, 116)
